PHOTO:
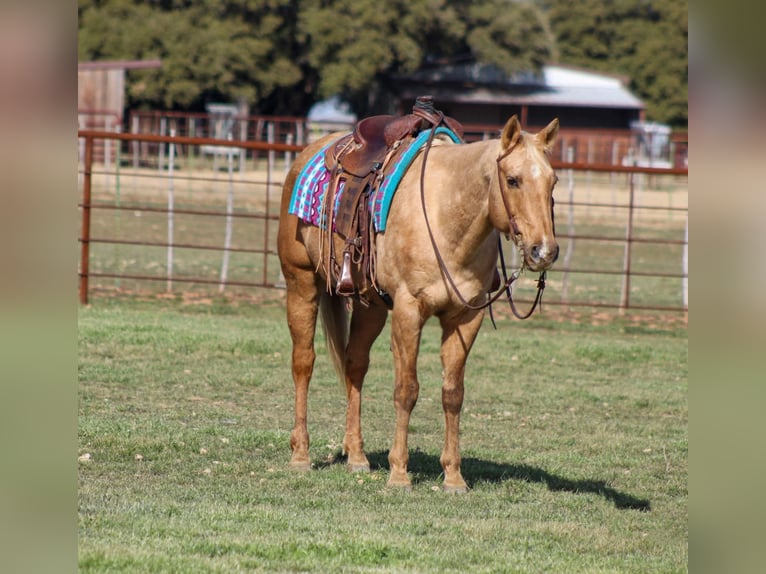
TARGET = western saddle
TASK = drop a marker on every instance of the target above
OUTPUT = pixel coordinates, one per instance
(361, 160)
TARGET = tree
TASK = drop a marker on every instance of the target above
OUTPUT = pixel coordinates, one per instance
(282, 55)
(356, 42)
(645, 40)
(217, 51)
(511, 35)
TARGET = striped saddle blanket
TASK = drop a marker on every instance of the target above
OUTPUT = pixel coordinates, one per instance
(314, 179)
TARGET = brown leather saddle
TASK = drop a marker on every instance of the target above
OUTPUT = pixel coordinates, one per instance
(361, 159)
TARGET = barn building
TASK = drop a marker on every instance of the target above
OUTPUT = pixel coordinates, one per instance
(101, 91)
(481, 94)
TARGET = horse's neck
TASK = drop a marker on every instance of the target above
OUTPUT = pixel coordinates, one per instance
(463, 203)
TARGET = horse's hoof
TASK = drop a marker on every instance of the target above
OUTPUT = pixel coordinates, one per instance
(454, 488)
(299, 465)
(358, 467)
(400, 483)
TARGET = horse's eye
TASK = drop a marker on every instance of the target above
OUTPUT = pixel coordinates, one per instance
(512, 181)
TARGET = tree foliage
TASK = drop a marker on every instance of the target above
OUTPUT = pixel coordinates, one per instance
(282, 55)
(216, 50)
(645, 40)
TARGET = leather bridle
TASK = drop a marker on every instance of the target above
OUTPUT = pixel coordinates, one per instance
(508, 280)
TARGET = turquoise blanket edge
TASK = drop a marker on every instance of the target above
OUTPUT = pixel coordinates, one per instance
(390, 184)
(404, 164)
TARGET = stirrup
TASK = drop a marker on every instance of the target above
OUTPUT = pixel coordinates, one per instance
(345, 284)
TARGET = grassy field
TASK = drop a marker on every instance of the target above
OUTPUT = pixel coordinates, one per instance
(574, 438)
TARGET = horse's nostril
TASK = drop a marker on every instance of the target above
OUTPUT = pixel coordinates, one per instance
(542, 251)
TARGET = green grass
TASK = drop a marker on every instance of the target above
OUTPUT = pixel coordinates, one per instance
(574, 438)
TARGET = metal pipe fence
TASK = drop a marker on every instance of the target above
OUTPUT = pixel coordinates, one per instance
(183, 224)
(587, 145)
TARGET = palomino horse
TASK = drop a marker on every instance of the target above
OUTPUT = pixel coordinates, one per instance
(471, 193)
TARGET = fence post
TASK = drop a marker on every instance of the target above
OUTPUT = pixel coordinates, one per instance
(625, 296)
(118, 193)
(192, 149)
(288, 154)
(171, 207)
(161, 153)
(269, 172)
(571, 242)
(80, 126)
(612, 176)
(242, 150)
(229, 221)
(107, 148)
(85, 232)
(134, 129)
(685, 279)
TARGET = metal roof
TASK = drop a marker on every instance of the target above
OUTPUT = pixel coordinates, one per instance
(570, 86)
(554, 86)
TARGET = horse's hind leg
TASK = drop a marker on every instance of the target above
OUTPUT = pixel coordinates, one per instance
(302, 305)
(458, 335)
(366, 325)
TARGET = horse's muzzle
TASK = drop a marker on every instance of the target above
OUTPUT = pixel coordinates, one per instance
(541, 256)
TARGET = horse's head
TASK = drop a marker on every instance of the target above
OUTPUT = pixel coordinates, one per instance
(523, 208)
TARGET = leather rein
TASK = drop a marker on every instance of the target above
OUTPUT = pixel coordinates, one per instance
(508, 280)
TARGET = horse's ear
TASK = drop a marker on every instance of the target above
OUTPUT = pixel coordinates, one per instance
(511, 132)
(547, 136)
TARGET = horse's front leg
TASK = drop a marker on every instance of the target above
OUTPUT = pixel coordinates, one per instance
(458, 335)
(366, 325)
(406, 326)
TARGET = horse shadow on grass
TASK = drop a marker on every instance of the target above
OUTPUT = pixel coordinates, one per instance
(424, 467)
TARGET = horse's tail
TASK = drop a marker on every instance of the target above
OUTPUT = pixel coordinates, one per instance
(334, 317)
